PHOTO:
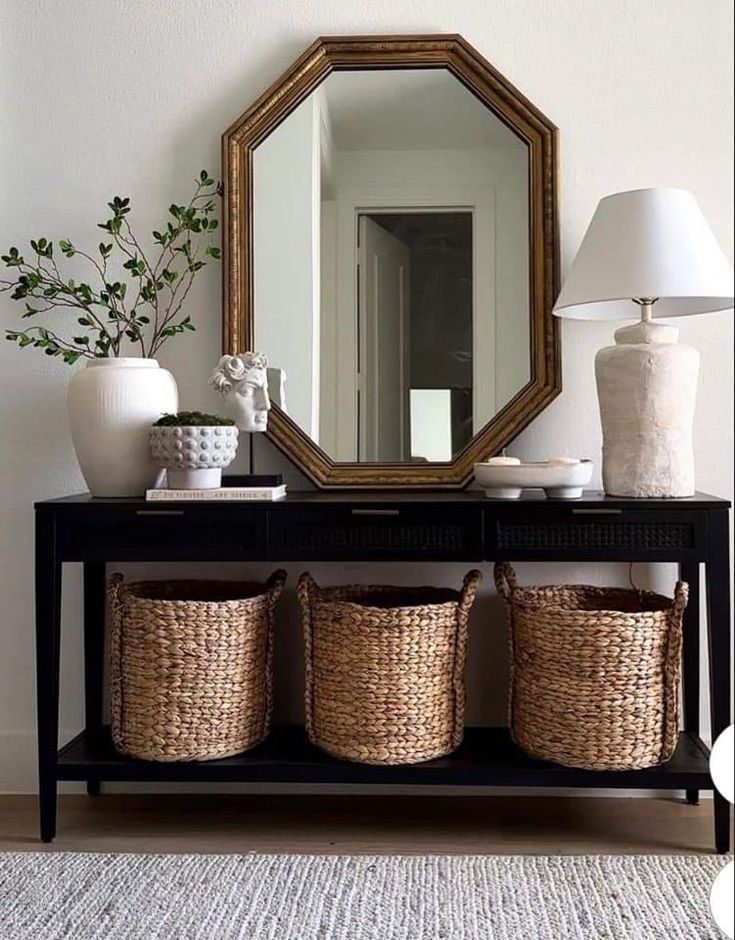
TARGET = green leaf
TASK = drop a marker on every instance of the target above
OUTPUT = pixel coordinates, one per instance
(85, 292)
(13, 258)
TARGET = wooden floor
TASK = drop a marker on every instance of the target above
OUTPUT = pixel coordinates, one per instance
(363, 825)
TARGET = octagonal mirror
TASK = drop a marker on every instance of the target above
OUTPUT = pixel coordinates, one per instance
(391, 246)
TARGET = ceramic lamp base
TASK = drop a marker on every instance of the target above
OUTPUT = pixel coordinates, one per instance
(647, 386)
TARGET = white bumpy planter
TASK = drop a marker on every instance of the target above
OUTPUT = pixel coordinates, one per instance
(193, 457)
(112, 404)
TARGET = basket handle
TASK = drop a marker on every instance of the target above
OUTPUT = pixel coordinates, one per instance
(305, 588)
(681, 598)
(469, 589)
(275, 584)
(114, 589)
(505, 580)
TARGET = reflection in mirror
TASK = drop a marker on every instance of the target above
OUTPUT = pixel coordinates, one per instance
(391, 264)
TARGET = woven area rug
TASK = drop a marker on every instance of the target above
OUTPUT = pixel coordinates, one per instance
(290, 897)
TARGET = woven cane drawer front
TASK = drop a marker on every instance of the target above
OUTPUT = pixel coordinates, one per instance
(376, 534)
(579, 535)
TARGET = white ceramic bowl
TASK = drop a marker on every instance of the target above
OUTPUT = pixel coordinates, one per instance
(193, 457)
(560, 481)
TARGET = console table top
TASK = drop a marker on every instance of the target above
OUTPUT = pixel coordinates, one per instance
(591, 498)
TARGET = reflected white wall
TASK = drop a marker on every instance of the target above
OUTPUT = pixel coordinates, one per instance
(286, 209)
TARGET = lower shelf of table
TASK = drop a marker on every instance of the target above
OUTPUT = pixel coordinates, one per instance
(487, 757)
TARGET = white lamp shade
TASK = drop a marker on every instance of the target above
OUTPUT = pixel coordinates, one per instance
(647, 243)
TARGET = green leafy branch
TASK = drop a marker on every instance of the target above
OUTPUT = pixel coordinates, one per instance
(144, 309)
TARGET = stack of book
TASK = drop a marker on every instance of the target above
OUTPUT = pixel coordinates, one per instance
(234, 489)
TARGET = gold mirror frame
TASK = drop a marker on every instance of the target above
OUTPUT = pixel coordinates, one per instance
(453, 53)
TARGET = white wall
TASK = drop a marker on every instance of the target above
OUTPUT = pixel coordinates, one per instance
(130, 99)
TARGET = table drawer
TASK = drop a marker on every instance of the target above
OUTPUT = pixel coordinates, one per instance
(168, 534)
(583, 533)
(377, 533)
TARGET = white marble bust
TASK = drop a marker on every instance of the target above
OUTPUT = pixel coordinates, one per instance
(243, 380)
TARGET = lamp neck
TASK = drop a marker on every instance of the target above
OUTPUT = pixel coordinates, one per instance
(646, 305)
(646, 331)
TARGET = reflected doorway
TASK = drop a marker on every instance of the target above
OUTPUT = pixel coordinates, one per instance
(415, 334)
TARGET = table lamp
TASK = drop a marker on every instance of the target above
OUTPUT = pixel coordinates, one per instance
(648, 253)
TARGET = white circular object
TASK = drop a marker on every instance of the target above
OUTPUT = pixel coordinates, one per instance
(722, 764)
(503, 492)
(561, 481)
(722, 900)
(564, 461)
(503, 462)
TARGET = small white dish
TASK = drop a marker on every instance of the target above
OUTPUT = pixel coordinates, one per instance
(558, 480)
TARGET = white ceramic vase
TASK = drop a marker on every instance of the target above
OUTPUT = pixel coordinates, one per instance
(112, 404)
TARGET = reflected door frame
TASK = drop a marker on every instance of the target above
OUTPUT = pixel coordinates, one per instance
(351, 203)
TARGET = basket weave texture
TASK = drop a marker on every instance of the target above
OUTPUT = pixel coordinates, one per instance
(594, 673)
(385, 669)
(191, 667)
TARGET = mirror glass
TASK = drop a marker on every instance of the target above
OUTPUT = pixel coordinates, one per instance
(391, 265)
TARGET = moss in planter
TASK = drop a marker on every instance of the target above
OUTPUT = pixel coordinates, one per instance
(192, 419)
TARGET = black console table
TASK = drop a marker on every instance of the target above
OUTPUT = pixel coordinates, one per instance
(382, 527)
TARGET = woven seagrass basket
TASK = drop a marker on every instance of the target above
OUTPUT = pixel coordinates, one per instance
(191, 667)
(594, 673)
(385, 669)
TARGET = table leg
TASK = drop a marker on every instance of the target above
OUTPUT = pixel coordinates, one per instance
(94, 652)
(718, 622)
(689, 572)
(48, 638)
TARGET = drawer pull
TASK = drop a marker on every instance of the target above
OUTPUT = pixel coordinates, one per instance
(597, 512)
(159, 512)
(375, 512)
